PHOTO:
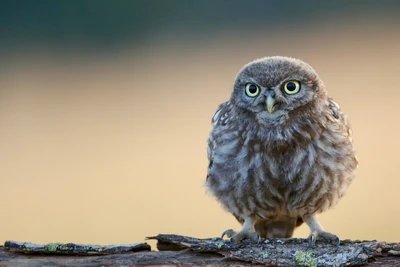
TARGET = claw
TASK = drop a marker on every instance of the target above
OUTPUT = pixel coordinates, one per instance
(258, 238)
(229, 233)
(311, 241)
(325, 235)
(337, 244)
(318, 232)
(235, 238)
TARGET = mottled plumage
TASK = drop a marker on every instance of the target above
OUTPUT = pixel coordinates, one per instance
(280, 150)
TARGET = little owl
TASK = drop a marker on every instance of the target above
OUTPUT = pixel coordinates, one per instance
(280, 151)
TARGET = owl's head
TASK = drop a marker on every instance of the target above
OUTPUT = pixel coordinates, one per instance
(275, 87)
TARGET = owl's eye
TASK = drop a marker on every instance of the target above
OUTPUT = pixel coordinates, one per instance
(252, 90)
(292, 87)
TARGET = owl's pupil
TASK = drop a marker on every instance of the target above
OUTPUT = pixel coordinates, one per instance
(252, 89)
(291, 86)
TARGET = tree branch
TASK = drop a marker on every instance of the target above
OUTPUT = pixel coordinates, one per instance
(182, 250)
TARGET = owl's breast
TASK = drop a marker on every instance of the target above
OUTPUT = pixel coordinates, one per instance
(254, 177)
(309, 178)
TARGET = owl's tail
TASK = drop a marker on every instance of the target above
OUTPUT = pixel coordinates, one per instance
(277, 229)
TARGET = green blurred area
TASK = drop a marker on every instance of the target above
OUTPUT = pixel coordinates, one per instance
(109, 24)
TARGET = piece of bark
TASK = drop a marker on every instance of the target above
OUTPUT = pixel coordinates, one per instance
(218, 252)
(74, 249)
(148, 258)
(287, 252)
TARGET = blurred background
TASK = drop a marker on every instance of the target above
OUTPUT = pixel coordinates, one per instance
(105, 108)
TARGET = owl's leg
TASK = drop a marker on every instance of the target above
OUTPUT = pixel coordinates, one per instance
(318, 232)
(247, 232)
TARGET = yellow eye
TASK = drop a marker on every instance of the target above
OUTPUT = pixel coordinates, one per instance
(292, 87)
(252, 90)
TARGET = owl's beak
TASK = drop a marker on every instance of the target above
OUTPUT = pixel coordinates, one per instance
(270, 104)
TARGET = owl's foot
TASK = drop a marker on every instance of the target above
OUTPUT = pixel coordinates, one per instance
(236, 238)
(318, 232)
(324, 235)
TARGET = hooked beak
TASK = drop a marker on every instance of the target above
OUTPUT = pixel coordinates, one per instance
(270, 104)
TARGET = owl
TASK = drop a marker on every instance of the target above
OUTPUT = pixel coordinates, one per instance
(280, 151)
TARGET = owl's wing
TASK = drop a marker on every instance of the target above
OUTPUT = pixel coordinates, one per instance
(219, 120)
(339, 115)
(221, 116)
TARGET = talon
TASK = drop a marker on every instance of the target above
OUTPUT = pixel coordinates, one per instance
(229, 233)
(254, 237)
(324, 235)
(317, 232)
(337, 244)
(235, 238)
(311, 241)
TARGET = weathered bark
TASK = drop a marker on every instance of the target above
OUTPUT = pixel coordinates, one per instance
(288, 252)
(74, 249)
(181, 250)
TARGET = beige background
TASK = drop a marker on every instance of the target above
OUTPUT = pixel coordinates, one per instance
(110, 148)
